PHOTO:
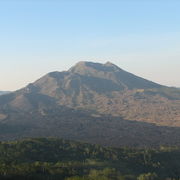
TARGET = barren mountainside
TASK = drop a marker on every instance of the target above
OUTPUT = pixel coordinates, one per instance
(94, 102)
(107, 89)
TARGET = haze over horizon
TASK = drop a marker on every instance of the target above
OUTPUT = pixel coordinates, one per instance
(140, 37)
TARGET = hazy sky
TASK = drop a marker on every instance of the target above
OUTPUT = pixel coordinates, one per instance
(39, 36)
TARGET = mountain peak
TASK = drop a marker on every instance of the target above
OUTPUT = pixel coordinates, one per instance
(85, 67)
(86, 64)
(112, 66)
(81, 63)
(94, 64)
(108, 63)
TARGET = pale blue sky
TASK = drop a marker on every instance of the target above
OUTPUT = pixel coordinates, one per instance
(39, 36)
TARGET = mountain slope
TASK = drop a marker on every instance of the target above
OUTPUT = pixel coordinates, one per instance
(77, 125)
(107, 89)
(97, 103)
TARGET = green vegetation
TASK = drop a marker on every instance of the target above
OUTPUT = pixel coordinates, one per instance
(55, 159)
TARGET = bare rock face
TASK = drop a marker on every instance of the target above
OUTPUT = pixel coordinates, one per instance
(93, 91)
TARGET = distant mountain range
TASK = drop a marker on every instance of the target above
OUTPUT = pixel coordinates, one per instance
(96, 103)
(4, 92)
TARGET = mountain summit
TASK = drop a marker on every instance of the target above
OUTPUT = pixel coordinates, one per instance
(84, 65)
(91, 101)
(111, 72)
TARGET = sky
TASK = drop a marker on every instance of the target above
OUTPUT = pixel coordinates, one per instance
(40, 36)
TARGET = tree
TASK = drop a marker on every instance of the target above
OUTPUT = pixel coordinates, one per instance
(148, 176)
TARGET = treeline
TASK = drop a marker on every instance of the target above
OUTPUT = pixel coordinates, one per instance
(56, 159)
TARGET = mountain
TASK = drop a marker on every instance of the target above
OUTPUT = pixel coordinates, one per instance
(107, 89)
(4, 92)
(96, 103)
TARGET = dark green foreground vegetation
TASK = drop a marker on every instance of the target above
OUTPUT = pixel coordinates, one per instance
(56, 159)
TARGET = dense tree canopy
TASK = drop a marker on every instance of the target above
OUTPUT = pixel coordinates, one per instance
(50, 158)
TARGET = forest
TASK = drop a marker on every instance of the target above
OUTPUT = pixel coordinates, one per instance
(59, 159)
